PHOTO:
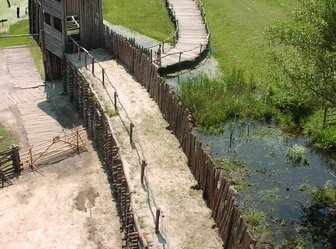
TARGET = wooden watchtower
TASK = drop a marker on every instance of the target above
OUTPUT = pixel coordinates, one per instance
(56, 21)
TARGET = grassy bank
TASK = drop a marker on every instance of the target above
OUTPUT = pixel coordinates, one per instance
(149, 17)
(20, 28)
(239, 45)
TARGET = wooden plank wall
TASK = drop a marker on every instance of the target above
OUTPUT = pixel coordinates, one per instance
(35, 18)
(71, 7)
(53, 40)
(91, 21)
(99, 129)
(53, 7)
(216, 189)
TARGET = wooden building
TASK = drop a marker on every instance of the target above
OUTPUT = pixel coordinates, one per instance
(55, 21)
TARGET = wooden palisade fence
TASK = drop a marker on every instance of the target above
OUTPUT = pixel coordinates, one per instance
(98, 126)
(216, 190)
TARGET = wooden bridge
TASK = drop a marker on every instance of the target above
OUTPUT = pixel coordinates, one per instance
(192, 35)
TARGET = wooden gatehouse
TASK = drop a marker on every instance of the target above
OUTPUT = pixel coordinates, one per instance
(56, 21)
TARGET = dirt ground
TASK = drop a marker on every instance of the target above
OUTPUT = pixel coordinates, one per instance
(186, 221)
(65, 205)
(68, 204)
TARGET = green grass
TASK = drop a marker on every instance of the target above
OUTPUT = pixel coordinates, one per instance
(6, 138)
(324, 138)
(237, 31)
(20, 28)
(149, 17)
(213, 102)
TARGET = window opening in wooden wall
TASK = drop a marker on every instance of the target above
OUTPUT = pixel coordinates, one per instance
(73, 27)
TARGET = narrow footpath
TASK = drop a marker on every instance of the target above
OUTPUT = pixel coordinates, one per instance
(172, 187)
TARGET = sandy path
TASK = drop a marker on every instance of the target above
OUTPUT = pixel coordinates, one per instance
(69, 205)
(184, 210)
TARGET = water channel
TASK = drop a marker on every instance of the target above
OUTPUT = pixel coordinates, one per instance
(277, 173)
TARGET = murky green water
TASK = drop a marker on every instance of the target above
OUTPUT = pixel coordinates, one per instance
(278, 170)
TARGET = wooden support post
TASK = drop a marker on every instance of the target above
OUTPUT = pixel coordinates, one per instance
(85, 59)
(163, 47)
(201, 46)
(231, 137)
(103, 76)
(157, 221)
(143, 166)
(93, 66)
(115, 101)
(131, 133)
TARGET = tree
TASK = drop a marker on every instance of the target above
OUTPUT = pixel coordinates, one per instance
(305, 48)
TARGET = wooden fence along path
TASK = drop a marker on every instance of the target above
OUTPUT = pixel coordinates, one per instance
(192, 35)
(216, 189)
(98, 126)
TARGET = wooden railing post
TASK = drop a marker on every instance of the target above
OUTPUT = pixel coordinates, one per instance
(93, 66)
(157, 221)
(79, 54)
(115, 101)
(143, 166)
(180, 59)
(103, 76)
(85, 59)
(131, 133)
(31, 157)
(77, 138)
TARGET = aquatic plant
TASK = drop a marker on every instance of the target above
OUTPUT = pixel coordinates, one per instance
(257, 223)
(236, 172)
(296, 155)
(319, 219)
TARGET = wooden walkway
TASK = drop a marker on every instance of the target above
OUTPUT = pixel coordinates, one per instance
(193, 37)
(21, 88)
(16, 65)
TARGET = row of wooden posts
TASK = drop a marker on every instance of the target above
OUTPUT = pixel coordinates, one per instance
(98, 126)
(218, 191)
